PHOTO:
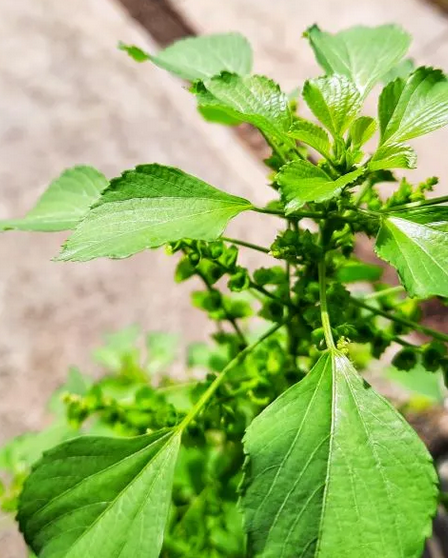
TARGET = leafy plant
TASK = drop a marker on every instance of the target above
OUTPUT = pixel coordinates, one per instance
(282, 449)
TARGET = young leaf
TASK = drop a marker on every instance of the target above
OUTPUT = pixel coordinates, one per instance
(393, 156)
(412, 108)
(332, 465)
(334, 101)
(203, 57)
(362, 54)
(148, 207)
(302, 182)
(253, 99)
(135, 52)
(416, 244)
(65, 202)
(311, 134)
(101, 497)
(362, 130)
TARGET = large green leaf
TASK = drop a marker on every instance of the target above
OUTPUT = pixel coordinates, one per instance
(148, 207)
(362, 54)
(334, 101)
(416, 244)
(65, 202)
(100, 497)
(253, 99)
(201, 57)
(413, 107)
(333, 469)
(303, 182)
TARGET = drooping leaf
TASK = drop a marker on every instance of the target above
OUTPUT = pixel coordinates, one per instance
(332, 465)
(101, 497)
(253, 99)
(203, 57)
(311, 134)
(416, 244)
(302, 182)
(362, 54)
(148, 207)
(362, 130)
(334, 101)
(64, 203)
(393, 156)
(413, 107)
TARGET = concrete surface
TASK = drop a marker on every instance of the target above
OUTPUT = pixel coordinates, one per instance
(67, 96)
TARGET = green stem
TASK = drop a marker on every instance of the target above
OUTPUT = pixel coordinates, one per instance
(246, 244)
(412, 205)
(212, 388)
(402, 321)
(384, 292)
(361, 193)
(324, 307)
(296, 215)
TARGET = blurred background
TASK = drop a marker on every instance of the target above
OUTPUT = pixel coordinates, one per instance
(68, 96)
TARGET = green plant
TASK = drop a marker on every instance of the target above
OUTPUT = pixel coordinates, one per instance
(282, 450)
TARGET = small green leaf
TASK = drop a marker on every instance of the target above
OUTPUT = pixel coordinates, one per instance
(148, 207)
(334, 101)
(302, 182)
(412, 108)
(65, 202)
(332, 465)
(311, 134)
(203, 57)
(393, 156)
(416, 244)
(354, 271)
(362, 54)
(135, 52)
(362, 130)
(100, 497)
(253, 99)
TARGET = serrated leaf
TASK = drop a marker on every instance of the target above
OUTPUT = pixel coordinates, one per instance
(100, 497)
(64, 203)
(362, 54)
(203, 57)
(303, 182)
(393, 156)
(362, 130)
(334, 101)
(333, 467)
(148, 207)
(311, 134)
(416, 244)
(253, 99)
(413, 107)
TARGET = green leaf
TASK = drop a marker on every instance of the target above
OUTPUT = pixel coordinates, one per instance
(65, 202)
(334, 101)
(311, 134)
(332, 465)
(402, 70)
(412, 108)
(362, 130)
(101, 497)
(354, 271)
(207, 56)
(393, 156)
(362, 54)
(148, 207)
(253, 99)
(302, 182)
(416, 244)
(419, 382)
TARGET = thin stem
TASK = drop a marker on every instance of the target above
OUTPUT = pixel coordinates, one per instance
(361, 193)
(411, 205)
(384, 292)
(212, 388)
(402, 321)
(324, 307)
(246, 244)
(295, 215)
